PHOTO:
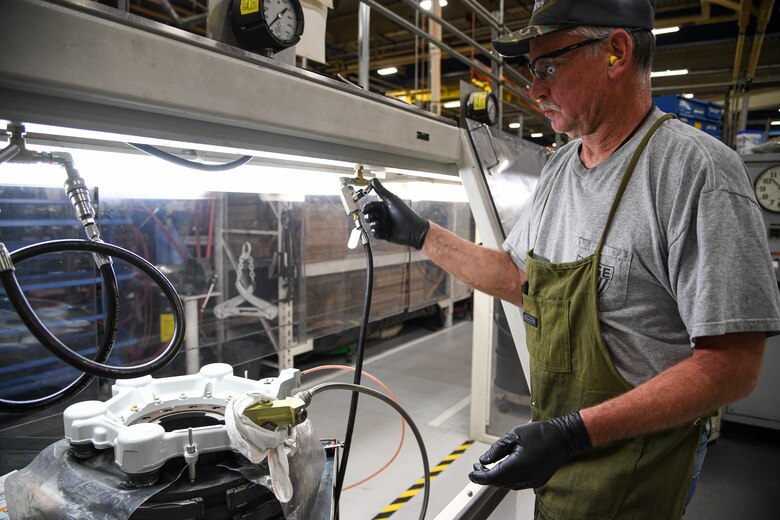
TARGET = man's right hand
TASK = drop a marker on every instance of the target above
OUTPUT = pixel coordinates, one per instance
(392, 220)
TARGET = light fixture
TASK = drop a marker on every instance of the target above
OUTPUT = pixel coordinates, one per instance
(427, 4)
(428, 190)
(688, 96)
(665, 30)
(125, 138)
(514, 125)
(774, 123)
(663, 73)
(387, 71)
(153, 178)
(452, 104)
(537, 135)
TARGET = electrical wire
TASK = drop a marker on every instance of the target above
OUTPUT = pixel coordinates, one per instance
(56, 347)
(391, 394)
(111, 304)
(361, 349)
(179, 249)
(156, 152)
(379, 395)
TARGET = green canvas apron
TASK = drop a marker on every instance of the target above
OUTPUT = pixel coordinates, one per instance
(571, 369)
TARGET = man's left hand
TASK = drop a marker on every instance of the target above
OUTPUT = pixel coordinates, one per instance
(532, 453)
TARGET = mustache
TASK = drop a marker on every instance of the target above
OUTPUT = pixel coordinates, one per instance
(548, 106)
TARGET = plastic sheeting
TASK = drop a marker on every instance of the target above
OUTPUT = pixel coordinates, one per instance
(56, 486)
(307, 460)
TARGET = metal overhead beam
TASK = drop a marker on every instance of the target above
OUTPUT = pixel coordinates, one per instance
(704, 14)
(765, 13)
(131, 84)
(728, 4)
(744, 19)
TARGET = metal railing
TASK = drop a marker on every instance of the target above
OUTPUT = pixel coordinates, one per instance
(486, 16)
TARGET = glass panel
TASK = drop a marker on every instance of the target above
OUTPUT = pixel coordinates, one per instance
(258, 256)
(511, 168)
(510, 403)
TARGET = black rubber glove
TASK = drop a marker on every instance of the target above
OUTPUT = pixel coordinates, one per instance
(392, 220)
(532, 453)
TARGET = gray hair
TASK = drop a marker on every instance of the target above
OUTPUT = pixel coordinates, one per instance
(644, 48)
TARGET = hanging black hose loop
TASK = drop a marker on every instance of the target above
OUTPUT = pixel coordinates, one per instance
(361, 350)
(56, 347)
(111, 304)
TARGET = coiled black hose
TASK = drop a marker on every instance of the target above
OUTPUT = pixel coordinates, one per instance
(56, 347)
(111, 304)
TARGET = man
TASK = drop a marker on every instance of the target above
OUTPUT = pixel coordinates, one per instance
(642, 269)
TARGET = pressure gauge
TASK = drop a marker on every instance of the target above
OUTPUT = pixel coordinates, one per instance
(482, 107)
(767, 189)
(267, 25)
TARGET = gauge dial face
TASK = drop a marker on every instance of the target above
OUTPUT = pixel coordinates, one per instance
(281, 20)
(482, 107)
(492, 109)
(767, 188)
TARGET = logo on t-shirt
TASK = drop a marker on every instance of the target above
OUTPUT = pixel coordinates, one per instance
(606, 274)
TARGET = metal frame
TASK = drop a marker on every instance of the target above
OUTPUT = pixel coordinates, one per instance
(84, 64)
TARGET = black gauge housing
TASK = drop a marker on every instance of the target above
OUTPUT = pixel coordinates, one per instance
(482, 107)
(251, 28)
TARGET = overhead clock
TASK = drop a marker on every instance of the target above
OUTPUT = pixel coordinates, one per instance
(767, 187)
(267, 26)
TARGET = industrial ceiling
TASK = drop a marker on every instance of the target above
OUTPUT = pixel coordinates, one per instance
(729, 47)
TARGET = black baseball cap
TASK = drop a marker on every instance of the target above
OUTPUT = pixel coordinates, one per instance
(553, 15)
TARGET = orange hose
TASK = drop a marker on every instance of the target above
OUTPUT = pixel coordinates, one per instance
(390, 393)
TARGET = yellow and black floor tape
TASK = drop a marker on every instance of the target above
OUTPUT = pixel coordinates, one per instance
(415, 488)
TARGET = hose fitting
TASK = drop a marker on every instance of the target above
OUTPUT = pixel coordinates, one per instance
(6, 264)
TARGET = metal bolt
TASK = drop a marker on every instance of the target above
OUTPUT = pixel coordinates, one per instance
(133, 407)
(121, 419)
(182, 396)
(157, 400)
(469, 493)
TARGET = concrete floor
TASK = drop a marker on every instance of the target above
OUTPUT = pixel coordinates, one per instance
(431, 378)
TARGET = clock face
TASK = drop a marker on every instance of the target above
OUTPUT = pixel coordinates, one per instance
(767, 188)
(281, 19)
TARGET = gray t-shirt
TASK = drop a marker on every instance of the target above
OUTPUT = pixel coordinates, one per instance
(686, 255)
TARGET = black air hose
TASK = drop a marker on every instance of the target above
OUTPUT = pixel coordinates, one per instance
(56, 347)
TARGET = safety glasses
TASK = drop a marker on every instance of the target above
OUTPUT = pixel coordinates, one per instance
(545, 65)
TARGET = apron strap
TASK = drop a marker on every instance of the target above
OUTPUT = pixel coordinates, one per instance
(626, 177)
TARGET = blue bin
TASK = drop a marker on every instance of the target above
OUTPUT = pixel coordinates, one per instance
(679, 105)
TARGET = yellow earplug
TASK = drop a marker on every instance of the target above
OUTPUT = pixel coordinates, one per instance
(612, 59)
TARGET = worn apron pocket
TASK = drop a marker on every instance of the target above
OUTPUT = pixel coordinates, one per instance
(547, 333)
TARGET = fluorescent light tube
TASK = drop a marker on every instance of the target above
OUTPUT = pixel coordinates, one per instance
(663, 73)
